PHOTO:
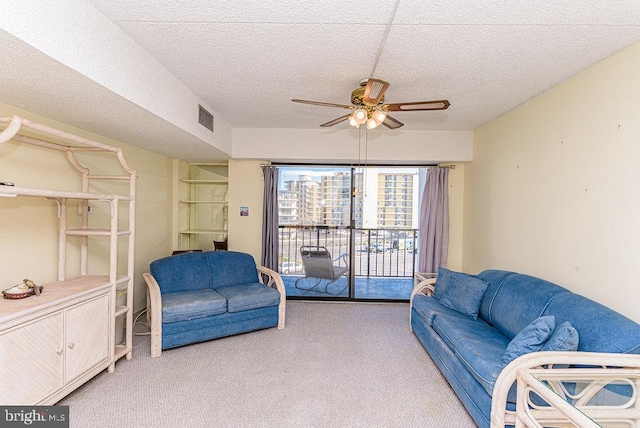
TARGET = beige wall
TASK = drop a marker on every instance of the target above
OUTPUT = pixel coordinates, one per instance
(341, 146)
(246, 190)
(456, 206)
(29, 227)
(553, 188)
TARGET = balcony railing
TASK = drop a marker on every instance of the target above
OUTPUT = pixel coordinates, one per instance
(376, 252)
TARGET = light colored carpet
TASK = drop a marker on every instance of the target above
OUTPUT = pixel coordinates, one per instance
(335, 365)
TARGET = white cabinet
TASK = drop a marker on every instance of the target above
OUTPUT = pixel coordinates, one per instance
(50, 346)
(203, 206)
(86, 328)
(31, 365)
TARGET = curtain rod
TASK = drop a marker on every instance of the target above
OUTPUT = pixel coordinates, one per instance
(377, 166)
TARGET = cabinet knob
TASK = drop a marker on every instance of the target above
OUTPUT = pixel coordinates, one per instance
(59, 351)
(70, 346)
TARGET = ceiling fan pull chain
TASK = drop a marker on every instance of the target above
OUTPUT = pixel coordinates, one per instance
(359, 147)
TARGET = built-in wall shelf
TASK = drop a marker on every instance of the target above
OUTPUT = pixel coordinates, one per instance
(204, 208)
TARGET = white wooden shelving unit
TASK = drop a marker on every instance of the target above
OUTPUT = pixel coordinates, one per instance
(204, 210)
(67, 335)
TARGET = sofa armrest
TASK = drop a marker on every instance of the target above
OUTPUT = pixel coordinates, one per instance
(154, 313)
(423, 283)
(531, 370)
(274, 280)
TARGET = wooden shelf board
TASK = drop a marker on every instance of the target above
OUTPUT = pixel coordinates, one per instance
(206, 202)
(25, 191)
(95, 232)
(191, 181)
(120, 351)
(52, 294)
(121, 310)
(203, 231)
(120, 280)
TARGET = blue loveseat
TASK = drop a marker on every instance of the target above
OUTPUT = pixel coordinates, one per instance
(482, 331)
(196, 296)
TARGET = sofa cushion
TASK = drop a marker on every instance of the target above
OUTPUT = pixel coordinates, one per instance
(445, 278)
(594, 322)
(231, 268)
(520, 300)
(464, 294)
(427, 307)
(442, 280)
(494, 278)
(563, 338)
(227, 324)
(454, 330)
(188, 305)
(531, 339)
(483, 360)
(182, 272)
(249, 296)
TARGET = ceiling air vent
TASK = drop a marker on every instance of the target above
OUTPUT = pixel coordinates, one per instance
(205, 118)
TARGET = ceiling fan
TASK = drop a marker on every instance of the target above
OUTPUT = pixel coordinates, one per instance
(367, 103)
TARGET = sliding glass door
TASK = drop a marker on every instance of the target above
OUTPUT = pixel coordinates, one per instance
(314, 208)
(348, 233)
(385, 231)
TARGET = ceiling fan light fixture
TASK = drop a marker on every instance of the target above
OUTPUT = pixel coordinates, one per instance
(379, 116)
(371, 123)
(352, 122)
(360, 116)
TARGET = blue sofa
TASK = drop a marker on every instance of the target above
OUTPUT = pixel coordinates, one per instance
(198, 296)
(469, 324)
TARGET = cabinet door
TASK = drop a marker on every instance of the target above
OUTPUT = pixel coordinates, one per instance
(87, 336)
(31, 362)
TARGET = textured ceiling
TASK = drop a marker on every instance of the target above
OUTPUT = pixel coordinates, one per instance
(71, 100)
(248, 59)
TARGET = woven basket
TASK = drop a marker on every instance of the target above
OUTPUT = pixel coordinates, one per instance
(15, 296)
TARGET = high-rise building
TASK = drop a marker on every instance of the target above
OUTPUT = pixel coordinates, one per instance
(385, 198)
(299, 202)
(396, 195)
(335, 191)
(288, 207)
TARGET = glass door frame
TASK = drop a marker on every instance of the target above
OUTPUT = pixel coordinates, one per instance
(351, 227)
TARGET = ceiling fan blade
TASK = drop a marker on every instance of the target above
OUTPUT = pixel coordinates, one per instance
(335, 121)
(420, 105)
(317, 103)
(374, 91)
(392, 123)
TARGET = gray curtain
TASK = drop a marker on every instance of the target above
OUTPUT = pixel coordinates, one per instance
(270, 218)
(434, 221)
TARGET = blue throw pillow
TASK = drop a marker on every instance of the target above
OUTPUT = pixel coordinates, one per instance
(563, 338)
(442, 280)
(463, 293)
(531, 339)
